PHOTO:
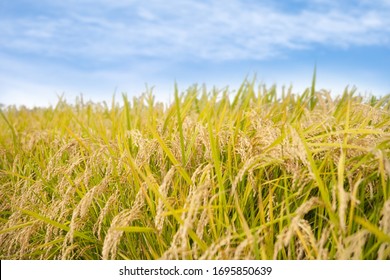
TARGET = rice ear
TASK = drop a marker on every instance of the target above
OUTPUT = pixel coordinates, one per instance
(123, 219)
(384, 249)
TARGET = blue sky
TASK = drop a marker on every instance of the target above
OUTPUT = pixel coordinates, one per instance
(97, 48)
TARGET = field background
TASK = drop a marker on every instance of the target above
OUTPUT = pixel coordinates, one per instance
(257, 175)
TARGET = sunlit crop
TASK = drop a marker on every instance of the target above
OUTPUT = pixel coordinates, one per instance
(253, 174)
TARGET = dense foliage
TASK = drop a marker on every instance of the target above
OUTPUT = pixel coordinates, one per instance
(214, 175)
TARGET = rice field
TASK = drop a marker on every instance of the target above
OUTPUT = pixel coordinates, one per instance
(253, 174)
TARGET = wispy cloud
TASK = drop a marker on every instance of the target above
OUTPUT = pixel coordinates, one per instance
(212, 30)
(93, 46)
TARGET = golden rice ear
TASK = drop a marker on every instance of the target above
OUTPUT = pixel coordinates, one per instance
(111, 201)
(123, 219)
(351, 248)
(198, 195)
(213, 251)
(81, 211)
(208, 177)
(297, 224)
(163, 190)
(384, 225)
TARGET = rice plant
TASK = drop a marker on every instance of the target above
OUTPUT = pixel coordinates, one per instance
(214, 175)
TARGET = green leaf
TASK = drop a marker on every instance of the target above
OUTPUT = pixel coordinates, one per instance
(56, 224)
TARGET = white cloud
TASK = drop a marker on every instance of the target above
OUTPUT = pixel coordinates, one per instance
(211, 30)
(94, 46)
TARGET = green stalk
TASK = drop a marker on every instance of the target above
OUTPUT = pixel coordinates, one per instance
(180, 124)
(14, 136)
(313, 89)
